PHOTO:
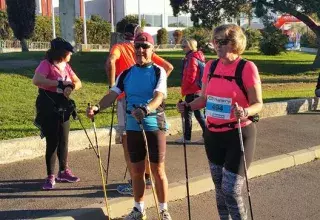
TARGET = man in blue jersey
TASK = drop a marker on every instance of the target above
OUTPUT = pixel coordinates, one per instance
(145, 86)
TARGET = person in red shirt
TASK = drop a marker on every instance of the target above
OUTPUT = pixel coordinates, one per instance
(121, 57)
(190, 87)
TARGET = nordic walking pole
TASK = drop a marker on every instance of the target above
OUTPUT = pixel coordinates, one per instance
(245, 163)
(186, 164)
(110, 134)
(91, 144)
(125, 173)
(148, 160)
(101, 169)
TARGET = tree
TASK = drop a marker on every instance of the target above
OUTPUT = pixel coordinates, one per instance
(5, 30)
(209, 12)
(21, 16)
(127, 20)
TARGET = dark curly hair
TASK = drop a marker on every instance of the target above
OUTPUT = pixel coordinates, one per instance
(56, 55)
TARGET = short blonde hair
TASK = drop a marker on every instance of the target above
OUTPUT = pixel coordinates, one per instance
(235, 34)
(192, 43)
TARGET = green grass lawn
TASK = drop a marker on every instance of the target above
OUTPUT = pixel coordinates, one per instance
(286, 76)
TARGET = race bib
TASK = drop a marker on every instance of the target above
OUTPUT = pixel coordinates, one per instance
(218, 107)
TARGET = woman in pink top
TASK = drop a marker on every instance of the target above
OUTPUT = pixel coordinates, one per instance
(56, 81)
(226, 100)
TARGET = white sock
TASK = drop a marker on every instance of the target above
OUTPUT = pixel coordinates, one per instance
(139, 206)
(163, 206)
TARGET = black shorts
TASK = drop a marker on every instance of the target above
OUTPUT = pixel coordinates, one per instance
(137, 147)
(223, 148)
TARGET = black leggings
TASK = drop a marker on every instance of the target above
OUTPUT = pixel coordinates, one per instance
(223, 148)
(188, 117)
(57, 135)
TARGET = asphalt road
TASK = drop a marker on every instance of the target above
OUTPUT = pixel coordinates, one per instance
(291, 194)
(21, 196)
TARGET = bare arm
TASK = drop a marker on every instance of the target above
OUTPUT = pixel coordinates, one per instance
(167, 67)
(76, 81)
(110, 67)
(156, 101)
(200, 102)
(163, 63)
(107, 100)
(40, 80)
(255, 99)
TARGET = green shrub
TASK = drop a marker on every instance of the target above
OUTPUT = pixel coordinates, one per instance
(98, 31)
(127, 20)
(179, 24)
(309, 39)
(177, 34)
(162, 36)
(253, 38)
(273, 41)
(6, 32)
(43, 29)
(201, 35)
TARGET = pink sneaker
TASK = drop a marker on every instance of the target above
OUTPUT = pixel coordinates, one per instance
(49, 183)
(67, 176)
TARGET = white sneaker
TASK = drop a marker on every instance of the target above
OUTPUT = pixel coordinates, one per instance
(200, 141)
(180, 141)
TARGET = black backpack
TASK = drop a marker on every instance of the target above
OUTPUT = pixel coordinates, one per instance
(237, 77)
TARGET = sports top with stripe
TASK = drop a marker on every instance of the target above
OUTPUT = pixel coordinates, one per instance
(139, 84)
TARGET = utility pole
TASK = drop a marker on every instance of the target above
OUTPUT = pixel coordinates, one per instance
(111, 16)
(84, 25)
(139, 13)
(53, 21)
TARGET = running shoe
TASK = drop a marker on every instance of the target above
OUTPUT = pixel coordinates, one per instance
(67, 176)
(164, 214)
(49, 183)
(136, 215)
(126, 189)
(180, 141)
(148, 183)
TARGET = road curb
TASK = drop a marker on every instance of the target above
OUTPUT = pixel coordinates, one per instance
(32, 147)
(200, 184)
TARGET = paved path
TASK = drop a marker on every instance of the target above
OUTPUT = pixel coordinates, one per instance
(291, 194)
(20, 197)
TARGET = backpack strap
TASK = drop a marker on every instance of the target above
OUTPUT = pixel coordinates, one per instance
(213, 67)
(238, 76)
(122, 76)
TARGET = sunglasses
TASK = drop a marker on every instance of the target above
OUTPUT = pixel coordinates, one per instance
(221, 42)
(183, 46)
(144, 46)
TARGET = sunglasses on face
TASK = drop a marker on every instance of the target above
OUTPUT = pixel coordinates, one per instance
(183, 46)
(221, 42)
(144, 46)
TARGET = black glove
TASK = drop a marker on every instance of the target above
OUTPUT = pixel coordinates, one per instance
(61, 87)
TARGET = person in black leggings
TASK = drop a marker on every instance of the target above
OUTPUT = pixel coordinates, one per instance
(56, 81)
(229, 103)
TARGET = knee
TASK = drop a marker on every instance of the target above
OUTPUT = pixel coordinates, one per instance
(158, 172)
(137, 170)
(232, 184)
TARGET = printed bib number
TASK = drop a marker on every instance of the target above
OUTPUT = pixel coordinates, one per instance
(218, 107)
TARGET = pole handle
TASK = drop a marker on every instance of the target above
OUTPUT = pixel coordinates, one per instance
(89, 105)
